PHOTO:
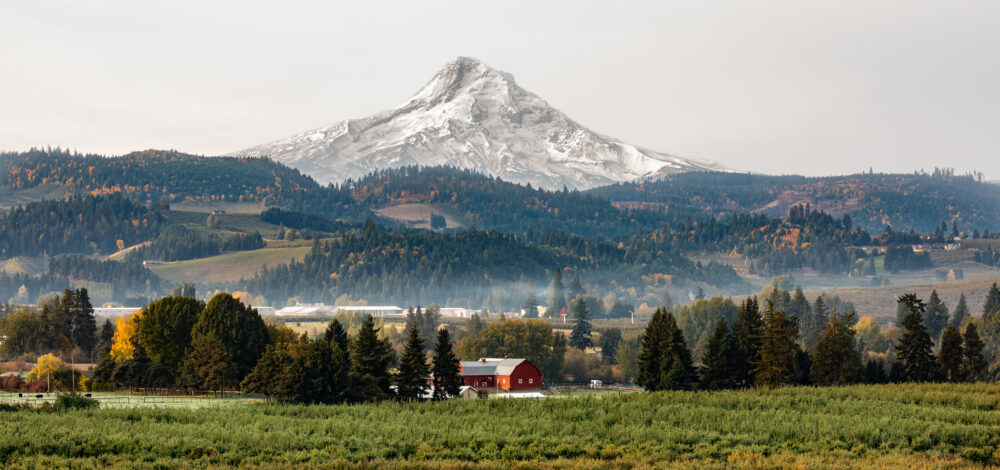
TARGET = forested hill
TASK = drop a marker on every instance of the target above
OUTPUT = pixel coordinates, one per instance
(88, 224)
(489, 202)
(472, 266)
(918, 201)
(157, 174)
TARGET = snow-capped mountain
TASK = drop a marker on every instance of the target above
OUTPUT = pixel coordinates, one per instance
(474, 117)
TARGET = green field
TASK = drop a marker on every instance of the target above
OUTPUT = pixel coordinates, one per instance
(892, 426)
(228, 267)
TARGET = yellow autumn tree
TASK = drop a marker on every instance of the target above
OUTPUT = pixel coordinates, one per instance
(47, 364)
(123, 341)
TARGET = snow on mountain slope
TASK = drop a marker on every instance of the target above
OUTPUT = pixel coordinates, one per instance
(474, 117)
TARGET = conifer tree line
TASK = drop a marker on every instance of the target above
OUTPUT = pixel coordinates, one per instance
(179, 341)
(764, 346)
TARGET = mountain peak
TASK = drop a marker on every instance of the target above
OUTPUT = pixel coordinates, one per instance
(464, 75)
(472, 116)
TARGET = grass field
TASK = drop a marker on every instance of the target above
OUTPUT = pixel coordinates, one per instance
(892, 426)
(880, 302)
(419, 214)
(229, 267)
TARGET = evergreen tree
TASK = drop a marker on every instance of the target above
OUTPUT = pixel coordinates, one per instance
(575, 287)
(913, 353)
(530, 305)
(655, 344)
(720, 368)
(874, 372)
(960, 315)
(951, 356)
(990, 323)
(209, 366)
(836, 360)
(411, 381)
(936, 316)
(800, 309)
(557, 295)
(476, 324)
(444, 368)
(992, 303)
(974, 363)
(677, 368)
(335, 333)
(609, 341)
(371, 359)
(580, 337)
(184, 290)
(749, 332)
(776, 365)
(83, 327)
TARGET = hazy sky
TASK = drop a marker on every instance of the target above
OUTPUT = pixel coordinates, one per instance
(778, 87)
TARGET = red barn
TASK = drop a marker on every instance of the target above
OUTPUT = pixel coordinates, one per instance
(506, 374)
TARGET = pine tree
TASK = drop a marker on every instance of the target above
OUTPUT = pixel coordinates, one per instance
(82, 323)
(990, 323)
(800, 309)
(719, 371)
(749, 332)
(575, 287)
(951, 356)
(335, 333)
(371, 359)
(476, 324)
(974, 363)
(557, 295)
(960, 315)
(580, 337)
(992, 303)
(447, 381)
(936, 315)
(655, 343)
(530, 305)
(411, 381)
(677, 368)
(913, 353)
(836, 360)
(777, 350)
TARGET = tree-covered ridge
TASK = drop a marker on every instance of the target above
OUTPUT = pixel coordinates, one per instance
(154, 174)
(917, 201)
(419, 266)
(78, 224)
(805, 239)
(492, 203)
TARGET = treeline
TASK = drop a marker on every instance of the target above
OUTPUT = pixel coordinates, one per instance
(491, 203)
(418, 266)
(124, 276)
(302, 220)
(903, 258)
(61, 323)
(78, 224)
(805, 239)
(760, 348)
(20, 288)
(908, 201)
(179, 341)
(178, 243)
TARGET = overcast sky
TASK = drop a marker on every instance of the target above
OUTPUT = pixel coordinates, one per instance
(778, 87)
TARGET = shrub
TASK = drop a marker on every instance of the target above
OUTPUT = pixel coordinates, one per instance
(75, 401)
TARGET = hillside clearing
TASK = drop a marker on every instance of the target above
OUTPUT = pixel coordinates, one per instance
(227, 267)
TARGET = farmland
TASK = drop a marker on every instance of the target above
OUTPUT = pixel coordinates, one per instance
(901, 426)
(228, 267)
